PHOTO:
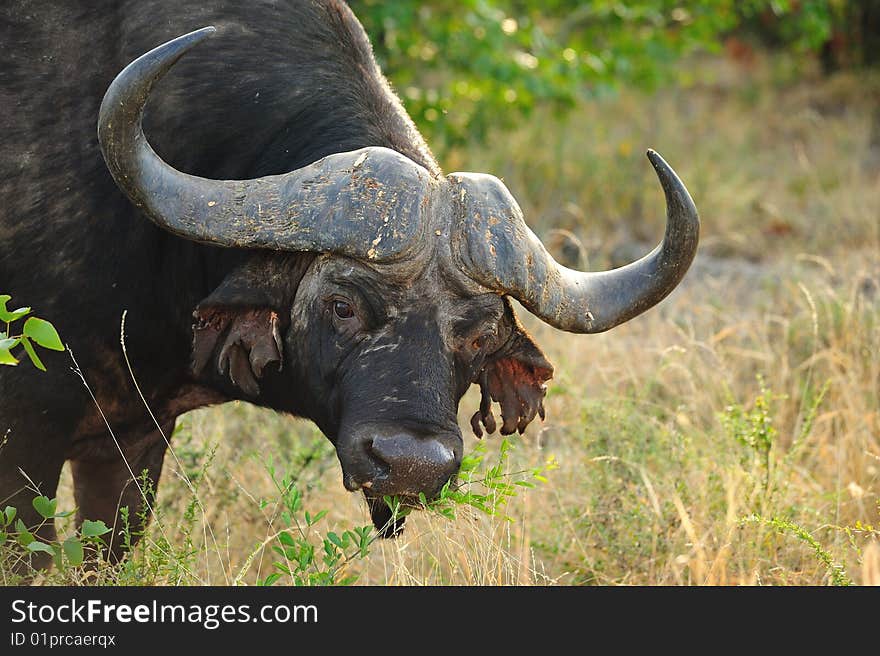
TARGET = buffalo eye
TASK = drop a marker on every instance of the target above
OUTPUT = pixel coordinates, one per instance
(482, 342)
(343, 310)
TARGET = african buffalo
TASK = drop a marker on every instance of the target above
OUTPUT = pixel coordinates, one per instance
(284, 237)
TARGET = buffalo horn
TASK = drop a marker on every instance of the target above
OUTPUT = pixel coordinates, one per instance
(499, 251)
(340, 204)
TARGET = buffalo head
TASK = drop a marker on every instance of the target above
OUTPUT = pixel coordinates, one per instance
(397, 299)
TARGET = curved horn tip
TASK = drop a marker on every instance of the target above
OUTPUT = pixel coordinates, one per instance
(656, 159)
(186, 41)
(673, 186)
(197, 34)
(175, 48)
(202, 32)
(139, 76)
(170, 51)
(141, 73)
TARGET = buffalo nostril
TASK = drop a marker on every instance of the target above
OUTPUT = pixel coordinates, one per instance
(365, 469)
(399, 463)
(348, 481)
(410, 456)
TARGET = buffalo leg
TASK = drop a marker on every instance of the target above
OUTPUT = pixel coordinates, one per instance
(28, 470)
(102, 487)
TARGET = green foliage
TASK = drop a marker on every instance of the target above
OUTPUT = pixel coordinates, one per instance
(752, 428)
(307, 549)
(18, 540)
(308, 556)
(93, 529)
(806, 25)
(835, 570)
(480, 486)
(465, 67)
(48, 508)
(34, 331)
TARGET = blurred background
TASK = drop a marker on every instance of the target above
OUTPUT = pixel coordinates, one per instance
(467, 68)
(562, 98)
(730, 435)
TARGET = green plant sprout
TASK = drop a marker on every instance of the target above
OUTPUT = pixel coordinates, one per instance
(67, 553)
(33, 331)
(480, 486)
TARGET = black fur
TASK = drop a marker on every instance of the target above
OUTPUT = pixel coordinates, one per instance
(282, 84)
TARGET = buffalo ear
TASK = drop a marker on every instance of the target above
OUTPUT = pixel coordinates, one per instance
(515, 377)
(237, 329)
(241, 342)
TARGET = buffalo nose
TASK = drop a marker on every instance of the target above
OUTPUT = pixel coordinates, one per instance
(416, 464)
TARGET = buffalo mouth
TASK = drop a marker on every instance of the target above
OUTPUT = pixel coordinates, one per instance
(387, 521)
(409, 464)
(387, 524)
(388, 512)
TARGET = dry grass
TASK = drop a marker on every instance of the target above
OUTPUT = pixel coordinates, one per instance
(650, 423)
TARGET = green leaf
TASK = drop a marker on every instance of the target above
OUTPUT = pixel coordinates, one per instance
(9, 512)
(8, 343)
(286, 538)
(282, 568)
(335, 539)
(45, 506)
(15, 315)
(24, 536)
(269, 580)
(36, 545)
(32, 354)
(306, 555)
(364, 545)
(470, 462)
(43, 333)
(3, 538)
(8, 317)
(7, 358)
(73, 549)
(92, 529)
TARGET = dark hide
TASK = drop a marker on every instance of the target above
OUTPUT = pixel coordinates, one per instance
(280, 85)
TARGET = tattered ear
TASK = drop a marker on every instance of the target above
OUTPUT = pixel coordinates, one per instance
(239, 342)
(516, 378)
(237, 329)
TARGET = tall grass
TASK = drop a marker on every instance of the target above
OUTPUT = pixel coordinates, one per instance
(729, 436)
